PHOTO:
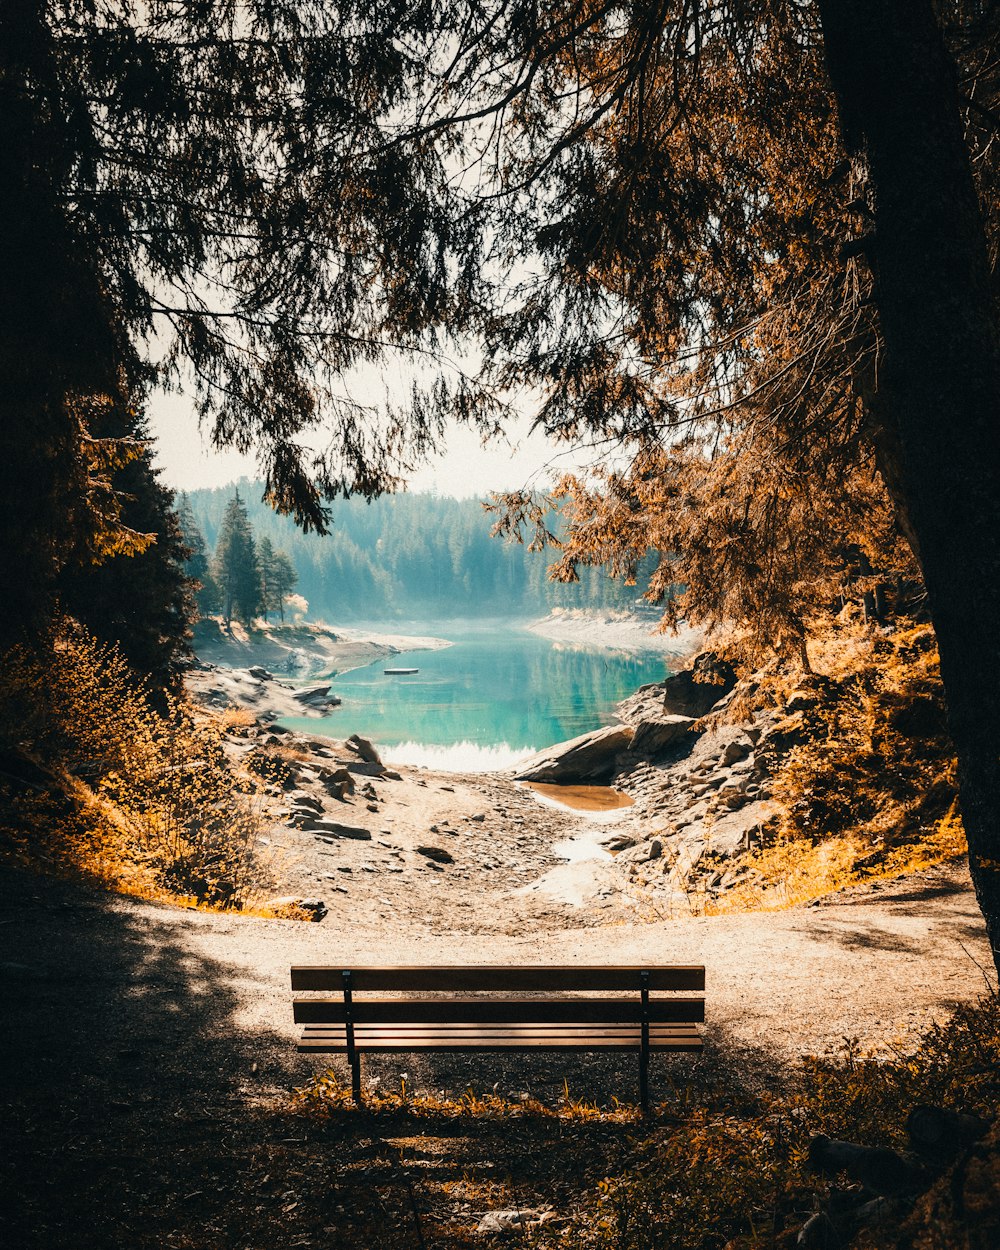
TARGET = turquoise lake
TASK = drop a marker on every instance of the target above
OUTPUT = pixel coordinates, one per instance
(491, 698)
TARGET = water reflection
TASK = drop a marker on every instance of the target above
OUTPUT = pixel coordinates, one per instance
(498, 693)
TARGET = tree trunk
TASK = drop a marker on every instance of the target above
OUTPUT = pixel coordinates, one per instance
(56, 342)
(898, 98)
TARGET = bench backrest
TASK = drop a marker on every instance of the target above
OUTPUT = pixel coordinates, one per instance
(500, 978)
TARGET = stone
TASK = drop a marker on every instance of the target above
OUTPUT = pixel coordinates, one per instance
(655, 849)
(731, 834)
(337, 782)
(736, 750)
(651, 737)
(510, 1221)
(316, 696)
(696, 690)
(590, 758)
(314, 824)
(436, 853)
(259, 673)
(363, 769)
(365, 749)
(300, 798)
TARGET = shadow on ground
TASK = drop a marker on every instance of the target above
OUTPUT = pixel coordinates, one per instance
(119, 1055)
(138, 1113)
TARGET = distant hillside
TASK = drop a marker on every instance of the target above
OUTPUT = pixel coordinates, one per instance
(412, 556)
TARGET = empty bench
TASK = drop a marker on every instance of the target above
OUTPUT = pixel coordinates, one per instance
(645, 1009)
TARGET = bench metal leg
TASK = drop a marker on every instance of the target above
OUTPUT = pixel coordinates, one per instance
(644, 1080)
(644, 1043)
(356, 1078)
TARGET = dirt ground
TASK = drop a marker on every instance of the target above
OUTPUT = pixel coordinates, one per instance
(148, 1051)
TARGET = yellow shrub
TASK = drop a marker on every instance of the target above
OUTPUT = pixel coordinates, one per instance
(103, 783)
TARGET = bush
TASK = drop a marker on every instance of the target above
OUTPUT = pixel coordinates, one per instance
(729, 1172)
(99, 781)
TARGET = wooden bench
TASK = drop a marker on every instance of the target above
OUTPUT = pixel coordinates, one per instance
(431, 1017)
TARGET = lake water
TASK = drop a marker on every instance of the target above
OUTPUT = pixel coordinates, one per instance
(490, 699)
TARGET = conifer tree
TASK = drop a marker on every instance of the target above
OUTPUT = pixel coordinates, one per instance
(237, 571)
(277, 577)
(138, 595)
(284, 579)
(265, 561)
(196, 565)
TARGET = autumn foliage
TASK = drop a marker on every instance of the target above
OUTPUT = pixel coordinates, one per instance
(96, 781)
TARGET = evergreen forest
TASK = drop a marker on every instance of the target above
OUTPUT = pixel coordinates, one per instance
(416, 556)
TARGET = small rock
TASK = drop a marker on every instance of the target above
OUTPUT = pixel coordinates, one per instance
(436, 853)
(511, 1221)
(479, 817)
(335, 829)
(738, 749)
(364, 748)
(260, 673)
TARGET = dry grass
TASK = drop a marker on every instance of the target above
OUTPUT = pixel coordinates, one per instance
(867, 780)
(719, 1164)
(101, 785)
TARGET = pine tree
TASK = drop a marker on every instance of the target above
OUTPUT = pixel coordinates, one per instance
(284, 579)
(277, 575)
(139, 596)
(237, 571)
(196, 565)
(265, 561)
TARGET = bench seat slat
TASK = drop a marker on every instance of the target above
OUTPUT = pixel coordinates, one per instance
(591, 1011)
(473, 1031)
(392, 1042)
(499, 978)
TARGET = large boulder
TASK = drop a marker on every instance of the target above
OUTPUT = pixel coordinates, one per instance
(652, 737)
(697, 689)
(587, 760)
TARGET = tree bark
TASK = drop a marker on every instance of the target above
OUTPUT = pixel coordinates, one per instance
(896, 88)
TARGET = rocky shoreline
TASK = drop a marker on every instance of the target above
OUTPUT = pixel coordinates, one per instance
(341, 826)
(619, 631)
(700, 786)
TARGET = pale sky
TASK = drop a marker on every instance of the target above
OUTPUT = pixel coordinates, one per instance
(467, 469)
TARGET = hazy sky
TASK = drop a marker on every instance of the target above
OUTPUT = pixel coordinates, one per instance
(189, 463)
